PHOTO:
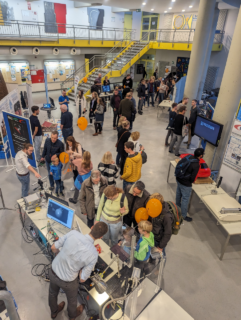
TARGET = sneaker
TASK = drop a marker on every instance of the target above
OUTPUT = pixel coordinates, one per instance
(188, 219)
(60, 308)
(72, 189)
(62, 194)
(51, 188)
(72, 200)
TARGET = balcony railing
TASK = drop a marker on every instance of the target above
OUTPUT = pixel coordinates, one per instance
(54, 31)
(24, 30)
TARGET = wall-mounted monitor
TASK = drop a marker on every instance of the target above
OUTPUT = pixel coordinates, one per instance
(208, 130)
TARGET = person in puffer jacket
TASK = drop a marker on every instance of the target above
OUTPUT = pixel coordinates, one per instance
(146, 241)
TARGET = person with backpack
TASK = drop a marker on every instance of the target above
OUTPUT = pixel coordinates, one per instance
(186, 173)
(112, 207)
(178, 133)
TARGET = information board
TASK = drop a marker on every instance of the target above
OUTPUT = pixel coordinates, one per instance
(19, 133)
(232, 156)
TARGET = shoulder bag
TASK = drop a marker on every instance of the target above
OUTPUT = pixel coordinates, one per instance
(116, 145)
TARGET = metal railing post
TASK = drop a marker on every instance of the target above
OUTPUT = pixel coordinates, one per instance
(189, 38)
(173, 38)
(74, 34)
(115, 34)
(19, 30)
(89, 34)
(102, 35)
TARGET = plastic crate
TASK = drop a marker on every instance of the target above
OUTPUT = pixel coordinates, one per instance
(4, 314)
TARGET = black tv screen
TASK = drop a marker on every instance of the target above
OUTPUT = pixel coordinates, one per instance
(208, 130)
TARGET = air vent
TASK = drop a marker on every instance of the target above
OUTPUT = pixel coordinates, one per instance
(13, 51)
(36, 51)
(73, 51)
(55, 51)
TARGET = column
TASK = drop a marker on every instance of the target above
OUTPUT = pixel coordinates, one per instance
(199, 48)
(228, 98)
(208, 52)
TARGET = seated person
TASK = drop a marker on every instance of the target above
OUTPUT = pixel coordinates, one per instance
(126, 243)
(146, 241)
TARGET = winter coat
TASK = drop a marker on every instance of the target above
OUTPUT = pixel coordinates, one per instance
(132, 168)
(162, 226)
(83, 103)
(142, 91)
(99, 113)
(87, 197)
(140, 200)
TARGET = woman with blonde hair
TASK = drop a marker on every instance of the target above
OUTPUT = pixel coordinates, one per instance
(112, 207)
(74, 150)
(121, 120)
(108, 168)
(84, 167)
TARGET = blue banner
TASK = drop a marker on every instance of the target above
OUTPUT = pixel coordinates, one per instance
(180, 86)
(46, 84)
(18, 132)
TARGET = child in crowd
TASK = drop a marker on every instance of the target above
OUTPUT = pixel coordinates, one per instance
(126, 243)
(55, 171)
(146, 241)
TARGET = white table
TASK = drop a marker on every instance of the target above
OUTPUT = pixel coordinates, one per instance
(203, 190)
(39, 218)
(165, 104)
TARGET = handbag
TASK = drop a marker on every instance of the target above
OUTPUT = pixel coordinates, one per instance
(184, 128)
(116, 145)
(67, 171)
(80, 179)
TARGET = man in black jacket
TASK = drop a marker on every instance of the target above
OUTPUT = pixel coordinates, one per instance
(115, 104)
(141, 96)
(127, 108)
(52, 149)
(137, 197)
(184, 185)
(180, 121)
(96, 87)
(162, 224)
(127, 82)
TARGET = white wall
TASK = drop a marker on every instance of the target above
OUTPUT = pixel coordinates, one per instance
(219, 59)
(136, 23)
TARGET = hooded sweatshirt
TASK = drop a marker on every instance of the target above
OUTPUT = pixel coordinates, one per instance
(132, 168)
(143, 247)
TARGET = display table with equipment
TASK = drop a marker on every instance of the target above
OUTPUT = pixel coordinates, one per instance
(122, 281)
(215, 203)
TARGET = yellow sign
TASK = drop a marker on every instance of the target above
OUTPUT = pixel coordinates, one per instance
(182, 21)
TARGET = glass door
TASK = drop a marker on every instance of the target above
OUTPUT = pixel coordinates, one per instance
(149, 22)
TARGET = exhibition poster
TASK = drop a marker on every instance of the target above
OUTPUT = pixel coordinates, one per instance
(232, 156)
(19, 133)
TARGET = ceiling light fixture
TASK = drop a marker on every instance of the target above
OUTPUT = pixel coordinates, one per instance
(190, 6)
(170, 8)
(144, 3)
(173, 0)
(183, 10)
(152, 9)
(165, 11)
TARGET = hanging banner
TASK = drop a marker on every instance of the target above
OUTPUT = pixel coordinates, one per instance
(76, 82)
(18, 132)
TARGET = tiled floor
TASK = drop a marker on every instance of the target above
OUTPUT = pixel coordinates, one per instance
(207, 288)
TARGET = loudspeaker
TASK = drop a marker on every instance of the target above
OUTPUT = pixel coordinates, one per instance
(36, 51)
(13, 51)
(55, 51)
(73, 51)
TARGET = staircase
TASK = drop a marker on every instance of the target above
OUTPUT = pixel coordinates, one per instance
(113, 64)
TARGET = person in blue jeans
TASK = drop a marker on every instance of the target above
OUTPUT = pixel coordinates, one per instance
(184, 184)
(151, 92)
(52, 149)
(55, 171)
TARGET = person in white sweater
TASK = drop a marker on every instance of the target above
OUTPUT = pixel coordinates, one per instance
(134, 137)
(80, 103)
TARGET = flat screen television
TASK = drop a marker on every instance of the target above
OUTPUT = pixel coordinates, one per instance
(208, 130)
(106, 88)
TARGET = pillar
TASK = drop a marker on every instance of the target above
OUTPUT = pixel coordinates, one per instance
(208, 52)
(199, 48)
(228, 98)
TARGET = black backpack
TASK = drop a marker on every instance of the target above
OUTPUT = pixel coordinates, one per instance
(183, 165)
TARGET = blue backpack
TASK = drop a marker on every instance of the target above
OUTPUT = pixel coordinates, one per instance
(182, 166)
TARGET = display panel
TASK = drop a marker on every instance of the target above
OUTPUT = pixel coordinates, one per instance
(208, 130)
(60, 213)
(106, 88)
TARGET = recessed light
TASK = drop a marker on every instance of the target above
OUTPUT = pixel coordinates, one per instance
(190, 6)
(170, 8)
(173, 0)
(152, 9)
(144, 3)
(183, 10)
(165, 11)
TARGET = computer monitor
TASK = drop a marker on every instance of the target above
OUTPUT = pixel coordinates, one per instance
(51, 102)
(60, 213)
(208, 130)
(46, 106)
(106, 88)
(49, 195)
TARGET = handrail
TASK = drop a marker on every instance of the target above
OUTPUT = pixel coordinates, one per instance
(91, 64)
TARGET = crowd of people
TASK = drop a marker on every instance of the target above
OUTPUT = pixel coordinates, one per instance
(106, 206)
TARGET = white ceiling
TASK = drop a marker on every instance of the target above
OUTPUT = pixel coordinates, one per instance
(158, 6)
